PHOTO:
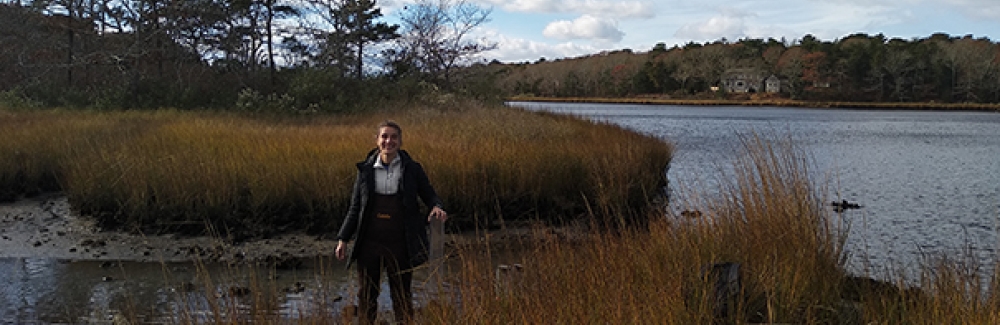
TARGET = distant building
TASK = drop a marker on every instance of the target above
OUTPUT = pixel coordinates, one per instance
(772, 84)
(748, 80)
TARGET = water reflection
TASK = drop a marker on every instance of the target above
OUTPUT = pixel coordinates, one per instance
(42, 290)
(25, 283)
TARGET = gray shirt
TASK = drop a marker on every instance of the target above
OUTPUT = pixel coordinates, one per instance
(387, 177)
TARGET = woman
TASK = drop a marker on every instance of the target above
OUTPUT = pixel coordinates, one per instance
(384, 220)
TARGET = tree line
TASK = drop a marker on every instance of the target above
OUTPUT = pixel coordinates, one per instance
(859, 67)
(325, 55)
(335, 55)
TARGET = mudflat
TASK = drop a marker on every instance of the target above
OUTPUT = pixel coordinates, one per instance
(46, 226)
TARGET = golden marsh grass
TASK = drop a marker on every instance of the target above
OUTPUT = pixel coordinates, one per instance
(183, 171)
(770, 220)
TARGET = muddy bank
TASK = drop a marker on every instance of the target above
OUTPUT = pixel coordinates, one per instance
(45, 226)
(59, 267)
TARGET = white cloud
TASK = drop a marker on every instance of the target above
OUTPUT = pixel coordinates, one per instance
(599, 8)
(581, 27)
(730, 24)
(585, 27)
(521, 50)
(823, 19)
(982, 9)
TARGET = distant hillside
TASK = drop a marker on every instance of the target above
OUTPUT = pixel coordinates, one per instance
(856, 68)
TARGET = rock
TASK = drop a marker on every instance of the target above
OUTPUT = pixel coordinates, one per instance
(107, 264)
(235, 291)
(188, 287)
(297, 287)
(694, 214)
(726, 290)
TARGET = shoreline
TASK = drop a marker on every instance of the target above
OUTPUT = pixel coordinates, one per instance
(923, 106)
(47, 227)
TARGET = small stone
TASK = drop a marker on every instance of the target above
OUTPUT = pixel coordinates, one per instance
(188, 287)
(238, 291)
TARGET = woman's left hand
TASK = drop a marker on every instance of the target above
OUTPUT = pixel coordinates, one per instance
(437, 213)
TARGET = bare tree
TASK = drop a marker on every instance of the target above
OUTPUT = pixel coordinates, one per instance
(791, 66)
(901, 66)
(274, 10)
(437, 36)
(969, 62)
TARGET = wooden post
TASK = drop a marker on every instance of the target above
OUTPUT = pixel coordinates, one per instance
(436, 262)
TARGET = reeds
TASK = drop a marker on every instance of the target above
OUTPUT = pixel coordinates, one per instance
(171, 171)
(956, 289)
(769, 220)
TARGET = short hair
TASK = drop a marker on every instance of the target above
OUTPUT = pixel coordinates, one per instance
(391, 124)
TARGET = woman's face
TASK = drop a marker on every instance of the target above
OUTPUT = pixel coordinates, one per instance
(389, 140)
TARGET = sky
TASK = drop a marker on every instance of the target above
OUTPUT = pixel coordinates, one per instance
(527, 30)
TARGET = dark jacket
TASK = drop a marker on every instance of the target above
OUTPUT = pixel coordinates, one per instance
(413, 184)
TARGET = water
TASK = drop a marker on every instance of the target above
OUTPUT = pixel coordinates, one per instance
(929, 182)
(52, 291)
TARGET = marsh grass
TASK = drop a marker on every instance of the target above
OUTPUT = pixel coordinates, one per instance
(171, 171)
(768, 219)
(950, 290)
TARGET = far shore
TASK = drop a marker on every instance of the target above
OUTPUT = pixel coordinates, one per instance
(979, 107)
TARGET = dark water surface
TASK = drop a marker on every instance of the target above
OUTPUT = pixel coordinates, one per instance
(51, 291)
(928, 181)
